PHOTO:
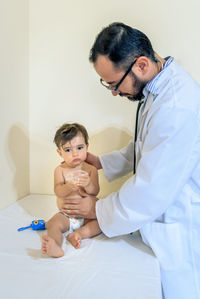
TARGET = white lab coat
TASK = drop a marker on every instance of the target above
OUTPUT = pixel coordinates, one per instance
(163, 199)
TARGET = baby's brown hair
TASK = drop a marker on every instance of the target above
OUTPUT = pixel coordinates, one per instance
(68, 131)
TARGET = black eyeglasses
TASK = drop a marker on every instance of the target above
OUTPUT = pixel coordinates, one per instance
(105, 84)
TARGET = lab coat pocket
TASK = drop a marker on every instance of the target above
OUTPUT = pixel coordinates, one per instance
(195, 198)
(192, 192)
(165, 241)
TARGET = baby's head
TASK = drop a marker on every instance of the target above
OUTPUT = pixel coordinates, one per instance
(67, 132)
(72, 143)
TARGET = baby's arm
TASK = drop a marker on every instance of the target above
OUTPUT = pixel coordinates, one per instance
(61, 188)
(90, 183)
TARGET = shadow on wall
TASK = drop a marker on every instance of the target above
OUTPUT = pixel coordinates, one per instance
(18, 159)
(43, 160)
(108, 140)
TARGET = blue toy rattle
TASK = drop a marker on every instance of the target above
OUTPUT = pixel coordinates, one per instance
(35, 225)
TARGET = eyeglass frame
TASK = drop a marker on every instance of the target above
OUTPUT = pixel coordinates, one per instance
(115, 89)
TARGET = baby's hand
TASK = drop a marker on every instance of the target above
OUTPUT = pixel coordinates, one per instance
(83, 180)
(72, 185)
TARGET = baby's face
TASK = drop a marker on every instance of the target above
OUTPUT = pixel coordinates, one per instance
(74, 152)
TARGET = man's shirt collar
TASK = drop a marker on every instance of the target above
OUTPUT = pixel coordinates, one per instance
(152, 86)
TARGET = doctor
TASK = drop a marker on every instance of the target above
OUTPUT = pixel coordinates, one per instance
(162, 198)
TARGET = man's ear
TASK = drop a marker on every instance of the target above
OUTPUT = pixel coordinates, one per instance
(142, 65)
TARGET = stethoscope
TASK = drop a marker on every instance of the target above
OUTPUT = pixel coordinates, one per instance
(136, 132)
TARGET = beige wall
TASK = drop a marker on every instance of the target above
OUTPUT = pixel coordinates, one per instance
(64, 86)
(14, 141)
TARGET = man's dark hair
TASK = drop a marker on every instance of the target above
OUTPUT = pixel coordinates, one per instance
(121, 44)
(67, 132)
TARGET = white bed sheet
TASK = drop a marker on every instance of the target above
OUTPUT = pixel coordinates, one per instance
(102, 268)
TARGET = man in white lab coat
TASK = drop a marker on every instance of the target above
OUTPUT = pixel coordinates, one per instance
(162, 198)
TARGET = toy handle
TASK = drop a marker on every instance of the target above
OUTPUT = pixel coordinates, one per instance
(23, 228)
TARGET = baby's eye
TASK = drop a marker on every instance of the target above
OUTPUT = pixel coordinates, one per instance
(67, 150)
(80, 148)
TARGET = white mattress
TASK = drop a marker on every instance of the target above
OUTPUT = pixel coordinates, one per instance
(102, 268)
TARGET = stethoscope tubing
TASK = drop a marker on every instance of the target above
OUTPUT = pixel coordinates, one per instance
(136, 133)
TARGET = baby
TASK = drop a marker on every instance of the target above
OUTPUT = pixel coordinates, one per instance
(72, 178)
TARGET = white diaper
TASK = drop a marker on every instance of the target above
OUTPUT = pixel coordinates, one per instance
(74, 223)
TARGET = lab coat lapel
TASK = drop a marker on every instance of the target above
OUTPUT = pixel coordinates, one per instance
(148, 103)
(142, 125)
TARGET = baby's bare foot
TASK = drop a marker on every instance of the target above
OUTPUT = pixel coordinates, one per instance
(75, 239)
(50, 247)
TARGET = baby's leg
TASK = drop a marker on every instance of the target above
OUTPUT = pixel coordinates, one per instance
(52, 243)
(90, 229)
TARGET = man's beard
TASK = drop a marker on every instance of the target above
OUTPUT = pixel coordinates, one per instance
(138, 85)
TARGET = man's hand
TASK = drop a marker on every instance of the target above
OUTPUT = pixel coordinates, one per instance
(80, 207)
(94, 160)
